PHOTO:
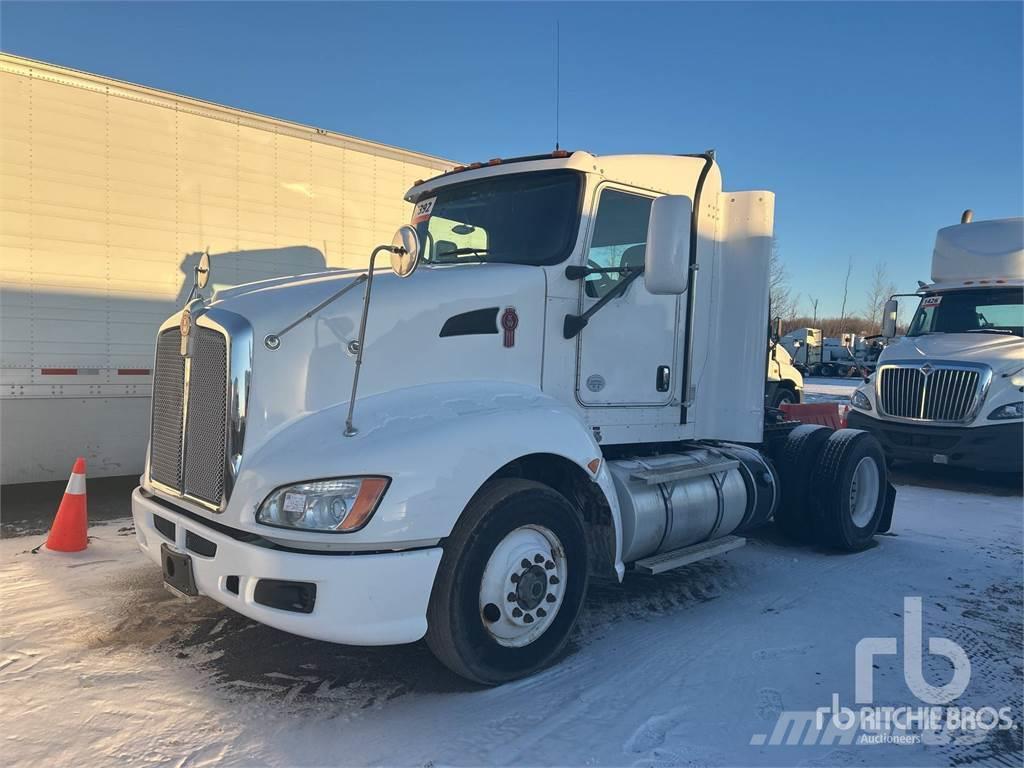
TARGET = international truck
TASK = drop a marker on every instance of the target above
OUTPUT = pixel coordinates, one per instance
(785, 383)
(533, 396)
(951, 391)
(110, 193)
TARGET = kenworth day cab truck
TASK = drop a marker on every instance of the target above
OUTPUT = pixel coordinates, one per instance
(952, 390)
(454, 449)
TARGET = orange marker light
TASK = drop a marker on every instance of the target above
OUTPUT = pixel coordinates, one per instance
(369, 495)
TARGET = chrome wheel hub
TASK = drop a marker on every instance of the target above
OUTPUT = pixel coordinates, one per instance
(864, 490)
(523, 585)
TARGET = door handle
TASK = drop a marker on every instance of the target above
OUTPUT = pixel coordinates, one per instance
(664, 378)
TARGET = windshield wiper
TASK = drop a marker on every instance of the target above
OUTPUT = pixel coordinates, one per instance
(467, 251)
(1002, 331)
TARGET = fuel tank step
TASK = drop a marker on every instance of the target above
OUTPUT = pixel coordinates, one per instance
(683, 471)
(666, 561)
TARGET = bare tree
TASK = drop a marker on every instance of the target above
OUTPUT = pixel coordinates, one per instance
(783, 301)
(846, 291)
(879, 290)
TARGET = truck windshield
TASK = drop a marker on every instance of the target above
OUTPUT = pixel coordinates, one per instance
(980, 310)
(520, 218)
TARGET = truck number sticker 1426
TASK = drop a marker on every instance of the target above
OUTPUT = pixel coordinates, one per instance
(931, 301)
(423, 210)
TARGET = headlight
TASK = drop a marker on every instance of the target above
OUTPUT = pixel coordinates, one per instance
(1009, 411)
(1017, 380)
(859, 400)
(343, 504)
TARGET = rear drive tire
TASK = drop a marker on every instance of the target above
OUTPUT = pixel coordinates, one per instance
(816, 370)
(511, 583)
(827, 370)
(797, 460)
(848, 487)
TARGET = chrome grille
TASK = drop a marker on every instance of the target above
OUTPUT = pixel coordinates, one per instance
(193, 466)
(935, 392)
(206, 417)
(168, 400)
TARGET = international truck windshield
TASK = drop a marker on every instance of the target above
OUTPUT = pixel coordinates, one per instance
(995, 311)
(520, 218)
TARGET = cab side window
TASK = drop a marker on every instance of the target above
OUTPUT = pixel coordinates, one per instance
(619, 240)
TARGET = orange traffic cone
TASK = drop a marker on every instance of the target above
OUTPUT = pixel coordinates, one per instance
(69, 531)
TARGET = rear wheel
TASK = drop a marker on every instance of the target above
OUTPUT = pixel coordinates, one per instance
(511, 583)
(796, 463)
(816, 369)
(827, 370)
(849, 487)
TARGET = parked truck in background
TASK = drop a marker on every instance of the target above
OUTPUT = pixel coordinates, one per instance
(785, 383)
(110, 193)
(951, 391)
(536, 395)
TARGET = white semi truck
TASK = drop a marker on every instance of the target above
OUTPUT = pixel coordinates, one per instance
(951, 391)
(368, 459)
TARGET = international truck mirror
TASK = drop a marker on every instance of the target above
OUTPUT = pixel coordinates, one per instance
(889, 318)
(405, 251)
(667, 260)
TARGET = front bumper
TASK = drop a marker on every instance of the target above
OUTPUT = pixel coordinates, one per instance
(361, 599)
(995, 447)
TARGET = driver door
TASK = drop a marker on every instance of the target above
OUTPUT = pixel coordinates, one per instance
(627, 354)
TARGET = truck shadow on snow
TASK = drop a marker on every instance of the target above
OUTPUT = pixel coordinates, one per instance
(245, 658)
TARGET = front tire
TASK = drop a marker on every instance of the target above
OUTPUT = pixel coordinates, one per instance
(783, 395)
(511, 583)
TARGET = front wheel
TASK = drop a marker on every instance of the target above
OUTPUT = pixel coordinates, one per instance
(511, 583)
(783, 395)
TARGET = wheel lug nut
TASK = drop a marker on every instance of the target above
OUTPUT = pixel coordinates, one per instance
(515, 578)
(516, 612)
(552, 580)
(528, 619)
(549, 565)
(550, 598)
(511, 597)
(538, 558)
(525, 563)
(541, 612)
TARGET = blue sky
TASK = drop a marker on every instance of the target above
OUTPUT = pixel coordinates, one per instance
(874, 123)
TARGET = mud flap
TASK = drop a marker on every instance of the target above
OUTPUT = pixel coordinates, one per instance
(890, 501)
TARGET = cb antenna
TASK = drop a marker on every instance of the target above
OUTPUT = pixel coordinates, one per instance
(558, 77)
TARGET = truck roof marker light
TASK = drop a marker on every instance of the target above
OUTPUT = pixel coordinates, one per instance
(560, 153)
(494, 161)
(417, 182)
(474, 166)
(371, 489)
(968, 282)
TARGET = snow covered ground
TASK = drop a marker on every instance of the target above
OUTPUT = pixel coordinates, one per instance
(99, 665)
(821, 390)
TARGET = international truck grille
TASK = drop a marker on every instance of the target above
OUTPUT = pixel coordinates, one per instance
(931, 392)
(189, 440)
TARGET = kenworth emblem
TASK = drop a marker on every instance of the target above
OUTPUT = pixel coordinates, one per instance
(186, 328)
(509, 322)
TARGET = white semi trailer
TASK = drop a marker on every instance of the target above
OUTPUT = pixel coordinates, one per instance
(370, 459)
(108, 194)
(951, 391)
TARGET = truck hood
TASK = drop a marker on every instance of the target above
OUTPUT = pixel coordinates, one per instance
(439, 325)
(998, 351)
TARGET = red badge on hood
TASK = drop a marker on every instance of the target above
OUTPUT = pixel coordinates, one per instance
(509, 322)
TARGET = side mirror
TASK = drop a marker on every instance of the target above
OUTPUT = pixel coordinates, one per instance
(405, 251)
(667, 260)
(889, 318)
(203, 270)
